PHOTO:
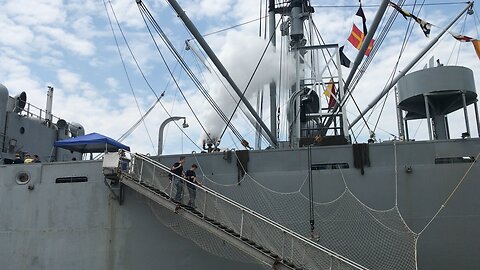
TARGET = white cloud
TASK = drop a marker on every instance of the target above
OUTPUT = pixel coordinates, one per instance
(68, 41)
(69, 80)
(39, 12)
(17, 36)
(208, 8)
(112, 83)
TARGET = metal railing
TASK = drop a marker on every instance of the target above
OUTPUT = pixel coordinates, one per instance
(33, 111)
(290, 246)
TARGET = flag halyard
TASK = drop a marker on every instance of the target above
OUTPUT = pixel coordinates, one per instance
(424, 25)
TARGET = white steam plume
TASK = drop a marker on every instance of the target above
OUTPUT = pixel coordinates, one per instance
(240, 55)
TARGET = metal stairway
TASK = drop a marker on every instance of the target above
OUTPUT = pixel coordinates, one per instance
(261, 238)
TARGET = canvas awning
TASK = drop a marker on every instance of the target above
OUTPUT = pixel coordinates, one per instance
(91, 143)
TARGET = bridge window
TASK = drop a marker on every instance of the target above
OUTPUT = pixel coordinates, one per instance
(71, 179)
(450, 160)
(329, 166)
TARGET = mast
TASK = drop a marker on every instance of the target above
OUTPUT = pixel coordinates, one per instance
(408, 67)
(299, 12)
(273, 85)
(191, 27)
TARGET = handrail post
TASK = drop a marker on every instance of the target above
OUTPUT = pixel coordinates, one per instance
(216, 207)
(291, 251)
(205, 204)
(171, 186)
(153, 176)
(141, 172)
(241, 223)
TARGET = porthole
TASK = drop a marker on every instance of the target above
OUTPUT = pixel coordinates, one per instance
(22, 130)
(22, 178)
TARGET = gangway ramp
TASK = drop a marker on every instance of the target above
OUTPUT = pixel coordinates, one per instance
(253, 234)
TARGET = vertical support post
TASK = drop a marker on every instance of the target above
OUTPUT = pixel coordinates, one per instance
(205, 205)
(465, 113)
(406, 130)
(291, 250)
(447, 127)
(153, 176)
(216, 207)
(171, 185)
(401, 128)
(477, 117)
(295, 126)
(427, 111)
(258, 128)
(141, 172)
(342, 95)
(273, 85)
(241, 224)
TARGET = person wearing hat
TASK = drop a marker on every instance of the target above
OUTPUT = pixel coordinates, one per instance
(28, 159)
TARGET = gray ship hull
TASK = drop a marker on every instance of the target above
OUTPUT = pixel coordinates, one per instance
(49, 225)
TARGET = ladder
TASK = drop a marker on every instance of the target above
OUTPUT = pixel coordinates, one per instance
(257, 236)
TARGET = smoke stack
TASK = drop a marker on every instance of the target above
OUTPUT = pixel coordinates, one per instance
(48, 110)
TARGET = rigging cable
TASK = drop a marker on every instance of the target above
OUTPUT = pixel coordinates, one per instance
(462, 31)
(406, 38)
(188, 71)
(144, 77)
(123, 63)
(134, 126)
(172, 76)
(184, 66)
(476, 19)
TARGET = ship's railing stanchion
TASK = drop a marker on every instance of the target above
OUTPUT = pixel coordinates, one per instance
(204, 204)
(215, 208)
(241, 223)
(153, 176)
(171, 187)
(141, 172)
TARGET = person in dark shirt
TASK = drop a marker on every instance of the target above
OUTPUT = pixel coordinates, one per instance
(18, 159)
(177, 174)
(36, 159)
(192, 189)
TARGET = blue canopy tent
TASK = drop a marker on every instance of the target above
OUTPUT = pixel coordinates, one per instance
(91, 143)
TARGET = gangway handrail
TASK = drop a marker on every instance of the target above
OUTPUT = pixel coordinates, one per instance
(243, 208)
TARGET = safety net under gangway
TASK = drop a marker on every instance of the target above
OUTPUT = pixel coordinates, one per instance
(241, 231)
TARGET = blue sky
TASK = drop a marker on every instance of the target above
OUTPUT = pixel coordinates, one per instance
(69, 45)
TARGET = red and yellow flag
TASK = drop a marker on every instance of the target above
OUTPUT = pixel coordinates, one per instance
(356, 39)
(331, 93)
